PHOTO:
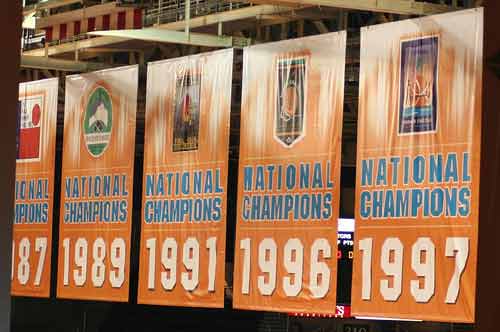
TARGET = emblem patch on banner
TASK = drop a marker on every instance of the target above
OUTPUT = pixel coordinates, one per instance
(98, 121)
(290, 104)
(418, 85)
(29, 127)
(187, 112)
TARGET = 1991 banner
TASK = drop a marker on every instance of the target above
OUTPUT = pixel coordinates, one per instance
(34, 190)
(289, 170)
(417, 189)
(97, 179)
(183, 235)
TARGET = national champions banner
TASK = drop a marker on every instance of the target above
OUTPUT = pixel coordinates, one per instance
(183, 228)
(34, 189)
(97, 185)
(289, 172)
(417, 184)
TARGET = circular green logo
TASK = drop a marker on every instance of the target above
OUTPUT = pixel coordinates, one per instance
(98, 121)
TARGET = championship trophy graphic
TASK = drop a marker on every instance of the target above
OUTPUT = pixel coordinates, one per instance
(29, 126)
(187, 112)
(418, 86)
(290, 104)
(98, 121)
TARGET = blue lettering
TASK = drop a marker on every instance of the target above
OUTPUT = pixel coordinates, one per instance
(451, 172)
(366, 172)
(317, 176)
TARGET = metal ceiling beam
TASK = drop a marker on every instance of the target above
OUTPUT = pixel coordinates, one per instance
(110, 50)
(38, 62)
(49, 5)
(196, 22)
(171, 36)
(227, 16)
(78, 14)
(404, 7)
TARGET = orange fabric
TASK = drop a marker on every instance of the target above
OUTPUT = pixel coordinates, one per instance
(114, 123)
(187, 138)
(436, 120)
(291, 120)
(39, 97)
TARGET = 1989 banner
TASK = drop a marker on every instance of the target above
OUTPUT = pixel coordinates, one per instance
(34, 190)
(97, 178)
(418, 168)
(183, 235)
(289, 169)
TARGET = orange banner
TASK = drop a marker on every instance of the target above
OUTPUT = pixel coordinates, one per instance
(289, 175)
(183, 235)
(97, 185)
(34, 191)
(417, 186)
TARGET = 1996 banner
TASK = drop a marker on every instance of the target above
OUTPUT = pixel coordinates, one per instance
(183, 233)
(289, 170)
(417, 186)
(97, 179)
(34, 189)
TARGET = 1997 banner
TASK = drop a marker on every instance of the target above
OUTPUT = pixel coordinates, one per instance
(34, 190)
(417, 186)
(289, 171)
(183, 231)
(97, 179)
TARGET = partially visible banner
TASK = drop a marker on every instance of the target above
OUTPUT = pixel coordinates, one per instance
(34, 190)
(417, 186)
(289, 175)
(183, 232)
(96, 185)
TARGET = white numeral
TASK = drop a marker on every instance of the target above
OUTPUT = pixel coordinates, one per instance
(366, 246)
(294, 265)
(41, 247)
(81, 251)
(151, 247)
(212, 262)
(423, 263)
(66, 262)
(23, 268)
(117, 257)
(425, 269)
(267, 264)
(392, 268)
(98, 267)
(458, 247)
(245, 283)
(118, 254)
(169, 262)
(319, 278)
(190, 279)
(191, 260)
(24, 253)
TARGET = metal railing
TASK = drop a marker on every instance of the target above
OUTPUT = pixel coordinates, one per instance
(165, 11)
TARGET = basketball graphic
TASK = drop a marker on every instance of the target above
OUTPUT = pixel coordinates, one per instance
(418, 85)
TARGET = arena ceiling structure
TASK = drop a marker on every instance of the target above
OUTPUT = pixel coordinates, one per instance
(61, 37)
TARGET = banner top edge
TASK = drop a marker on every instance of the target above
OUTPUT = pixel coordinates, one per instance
(126, 67)
(342, 33)
(479, 10)
(191, 56)
(44, 80)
